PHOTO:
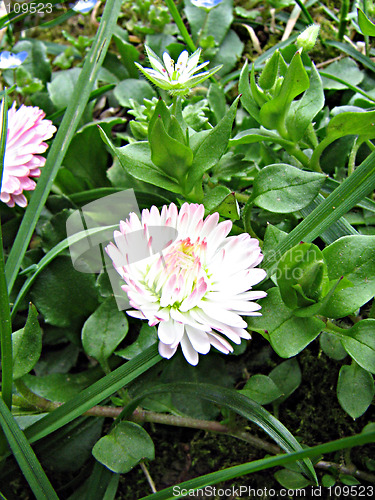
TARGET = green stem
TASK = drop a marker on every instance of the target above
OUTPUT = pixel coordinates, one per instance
(242, 198)
(180, 25)
(5, 321)
(35, 400)
(174, 105)
(345, 5)
(311, 135)
(300, 156)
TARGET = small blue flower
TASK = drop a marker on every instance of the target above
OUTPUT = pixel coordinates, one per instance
(206, 4)
(84, 6)
(8, 60)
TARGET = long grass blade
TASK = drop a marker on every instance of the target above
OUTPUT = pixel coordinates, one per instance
(338, 229)
(338, 203)
(351, 51)
(25, 456)
(5, 321)
(63, 137)
(180, 25)
(258, 465)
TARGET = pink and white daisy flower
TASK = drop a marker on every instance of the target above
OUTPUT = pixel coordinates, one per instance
(200, 285)
(26, 132)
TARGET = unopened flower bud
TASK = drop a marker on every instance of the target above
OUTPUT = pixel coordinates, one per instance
(306, 40)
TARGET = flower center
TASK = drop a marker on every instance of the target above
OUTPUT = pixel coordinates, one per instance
(179, 271)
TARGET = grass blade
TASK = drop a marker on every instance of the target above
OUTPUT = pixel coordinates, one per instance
(351, 51)
(258, 465)
(180, 25)
(338, 229)
(5, 321)
(25, 456)
(338, 203)
(63, 137)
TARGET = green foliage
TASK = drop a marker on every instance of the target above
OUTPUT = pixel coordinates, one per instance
(282, 188)
(293, 167)
(124, 447)
(27, 345)
(104, 330)
(355, 389)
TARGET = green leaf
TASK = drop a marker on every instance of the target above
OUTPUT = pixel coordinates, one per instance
(282, 188)
(247, 100)
(261, 389)
(291, 480)
(359, 343)
(270, 72)
(62, 87)
(147, 337)
(287, 376)
(25, 456)
(216, 98)
(352, 123)
(222, 200)
(331, 346)
(352, 257)
(124, 447)
(37, 62)
(170, 155)
(104, 330)
(77, 443)
(27, 345)
(295, 82)
(350, 192)
(302, 277)
(347, 70)
(355, 390)
(212, 148)
(349, 480)
(367, 27)
(287, 334)
(136, 160)
(129, 55)
(64, 295)
(348, 123)
(229, 53)
(303, 111)
(87, 156)
(61, 386)
(133, 89)
(215, 23)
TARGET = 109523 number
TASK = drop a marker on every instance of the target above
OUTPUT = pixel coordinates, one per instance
(353, 491)
(29, 8)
